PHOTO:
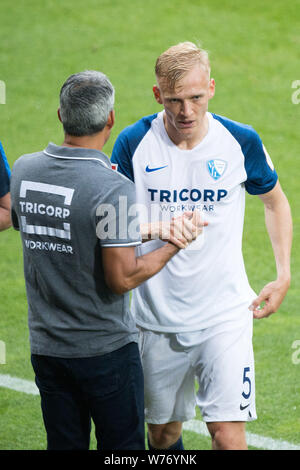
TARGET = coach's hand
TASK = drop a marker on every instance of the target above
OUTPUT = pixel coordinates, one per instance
(182, 230)
(271, 296)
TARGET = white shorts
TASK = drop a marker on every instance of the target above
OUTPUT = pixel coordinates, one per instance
(219, 358)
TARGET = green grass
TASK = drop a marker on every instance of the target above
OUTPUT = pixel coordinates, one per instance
(255, 52)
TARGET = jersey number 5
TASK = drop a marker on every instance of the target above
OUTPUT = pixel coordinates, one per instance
(247, 380)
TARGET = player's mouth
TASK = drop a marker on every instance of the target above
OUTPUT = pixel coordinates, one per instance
(185, 124)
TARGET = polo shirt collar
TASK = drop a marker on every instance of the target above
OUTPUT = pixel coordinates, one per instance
(57, 151)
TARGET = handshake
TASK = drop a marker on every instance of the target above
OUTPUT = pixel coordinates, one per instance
(180, 231)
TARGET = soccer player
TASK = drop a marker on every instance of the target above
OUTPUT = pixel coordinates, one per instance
(196, 315)
(5, 220)
(79, 232)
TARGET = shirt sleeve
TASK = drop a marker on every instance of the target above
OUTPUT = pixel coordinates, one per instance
(4, 173)
(126, 144)
(14, 219)
(14, 216)
(117, 216)
(122, 156)
(261, 174)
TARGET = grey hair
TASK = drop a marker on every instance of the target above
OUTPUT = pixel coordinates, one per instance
(86, 99)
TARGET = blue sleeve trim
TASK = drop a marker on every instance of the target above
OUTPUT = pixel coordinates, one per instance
(260, 176)
(127, 143)
(4, 173)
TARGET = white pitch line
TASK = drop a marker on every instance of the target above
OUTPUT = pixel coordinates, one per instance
(19, 385)
(254, 440)
(194, 425)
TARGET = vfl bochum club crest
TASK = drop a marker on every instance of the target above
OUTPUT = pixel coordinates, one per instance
(216, 168)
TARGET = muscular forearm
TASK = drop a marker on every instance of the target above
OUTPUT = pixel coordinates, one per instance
(124, 271)
(5, 220)
(140, 269)
(279, 225)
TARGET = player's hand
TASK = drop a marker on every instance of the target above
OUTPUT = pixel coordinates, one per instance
(182, 230)
(271, 296)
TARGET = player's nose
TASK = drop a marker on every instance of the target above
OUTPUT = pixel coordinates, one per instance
(186, 108)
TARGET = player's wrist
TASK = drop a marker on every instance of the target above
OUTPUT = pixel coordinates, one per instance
(150, 231)
(284, 279)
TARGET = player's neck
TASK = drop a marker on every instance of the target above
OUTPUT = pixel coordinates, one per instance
(187, 141)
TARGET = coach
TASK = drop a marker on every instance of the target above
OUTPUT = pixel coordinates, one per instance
(73, 212)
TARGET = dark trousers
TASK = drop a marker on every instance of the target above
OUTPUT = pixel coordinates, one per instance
(108, 389)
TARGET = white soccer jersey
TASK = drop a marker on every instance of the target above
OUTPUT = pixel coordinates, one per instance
(205, 284)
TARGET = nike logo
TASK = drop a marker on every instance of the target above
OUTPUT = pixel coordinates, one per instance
(154, 169)
(244, 407)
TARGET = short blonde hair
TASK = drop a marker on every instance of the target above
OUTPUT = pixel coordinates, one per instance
(176, 61)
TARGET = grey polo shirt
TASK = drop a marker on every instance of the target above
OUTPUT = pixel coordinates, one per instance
(69, 204)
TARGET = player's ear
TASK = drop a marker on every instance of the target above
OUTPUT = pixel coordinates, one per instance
(212, 87)
(156, 92)
(58, 114)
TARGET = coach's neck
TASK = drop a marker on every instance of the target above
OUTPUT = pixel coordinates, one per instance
(94, 141)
